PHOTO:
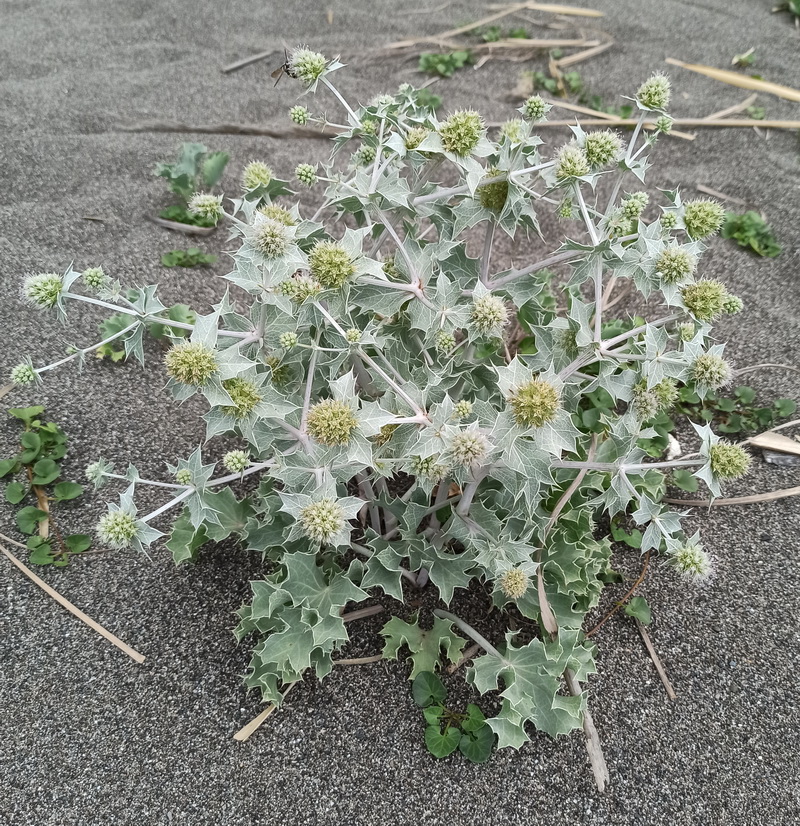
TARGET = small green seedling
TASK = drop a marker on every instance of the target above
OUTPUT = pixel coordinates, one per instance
(444, 65)
(745, 60)
(193, 257)
(196, 170)
(448, 730)
(33, 476)
(751, 231)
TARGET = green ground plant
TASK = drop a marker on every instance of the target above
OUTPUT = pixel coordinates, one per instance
(192, 257)
(391, 431)
(196, 170)
(751, 231)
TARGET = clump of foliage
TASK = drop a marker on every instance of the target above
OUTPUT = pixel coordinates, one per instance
(196, 171)
(444, 64)
(33, 475)
(751, 231)
(398, 435)
(493, 34)
(733, 414)
(193, 257)
(447, 730)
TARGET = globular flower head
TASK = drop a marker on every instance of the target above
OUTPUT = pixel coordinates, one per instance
(94, 278)
(332, 422)
(461, 132)
(535, 403)
(256, 174)
(183, 476)
(279, 372)
(489, 315)
(415, 136)
(703, 218)
(535, 109)
(729, 461)
(655, 92)
(364, 156)
(514, 583)
(664, 125)
(288, 340)
(469, 447)
(732, 304)
(645, 402)
(445, 341)
(369, 126)
(117, 529)
(191, 363)
(23, 374)
(571, 162)
(236, 461)
(666, 391)
(711, 371)
(245, 397)
(512, 130)
(330, 264)
(306, 65)
(299, 115)
(691, 560)
(669, 220)
(462, 409)
(97, 472)
(353, 336)
(566, 209)
(633, 206)
(270, 238)
(322, 520)
(43, 290)
(204, 205)
(277, 213)
(429, 468)
(675, 264)
(493, 196)
(602, 148)
(687, 331)
(306, 173)
(704, 299)
(300, 287)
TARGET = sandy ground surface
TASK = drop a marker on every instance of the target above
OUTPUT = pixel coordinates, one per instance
(88, 736)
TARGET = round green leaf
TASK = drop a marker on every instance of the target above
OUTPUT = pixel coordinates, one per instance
(67, 490)
(28, 518)
(685, 480)
(15, 492)
(42, 554)
(477, 745)
(45, 471)
(440, 745)
(78, 542)
(7, 466)
(639, 609)
(474, 719)
(433, 715)
(32, 443)
(427, 689)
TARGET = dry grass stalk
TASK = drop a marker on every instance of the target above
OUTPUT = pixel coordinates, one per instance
(742, 81)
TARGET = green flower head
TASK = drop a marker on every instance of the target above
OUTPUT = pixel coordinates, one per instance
(687, 331)
(514, 583)
(571, 162)
(704, 299)
(94, 278)
(288, 340)
(330, 264)
(415, 136)
(270, 238)
(462, 409)
(493, 196)
(429, 468)
(703, 218)
(244, 395)
(469, 447)
(332, 422)
(729, 461)
(183, 476)
(666, 391)
(277, 213)
(512, 131)
(461, 132)
(711, 371)
(691, 560)
(322, 520)
(369, 126)
(236, 461)
(207, 206)
(633, 206)
(364, 156)
(191, 363)
(655, 92)
(353, 336)
(299, 115)
(23, 374)
(117, 529)
(444, 341)
(664, 125)
(256, 174)
(669, 220)
(306, 173)
(535, 109)
(300, 287)
(489, 315)
(43, 290)
(732, 304)
(566, 209)
(306, 65)
(675, 264)
(535, 403)
(97, 472)
(602, 148)
(645, 402)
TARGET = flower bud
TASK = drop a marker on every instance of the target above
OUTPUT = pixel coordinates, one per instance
(461, 132)
(535, 403)
(236, 461)
(489, 315)
(332, 422)
(364, 156)
(256, 174)
(322, 520)
(98, 471)
(535, 109)
(703, 218)
(275, 212)
(732, 304)
(369, 126)
(191, 363)
(306, 173)
(429, 468)
(469, 447)
(43, 290)
(207, 206)
(330, 264)
(183, 476)
(514, 583)
(729, 461)
(23, 374)
(664, 125)
(462, 409)
(669, 220)
(711, 371)
(117, 529)
(415, 136)
(566, 209)
(704, 299)
(445, 341)
(675, 264)
(691, 561)
(633, 206)
(353, 336)
(571, 162)
(687, 331)
(655, 92)
(306, 65)
(511, 130)
(244, 395)
(299, 115)
(300, 288)
(94, 278)
(288, 340)
(601, 148)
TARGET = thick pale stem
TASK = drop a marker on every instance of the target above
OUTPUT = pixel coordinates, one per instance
(88, 349)
(470, 632)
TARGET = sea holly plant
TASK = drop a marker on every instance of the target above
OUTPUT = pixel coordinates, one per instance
(34, 484)
(393, 434)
